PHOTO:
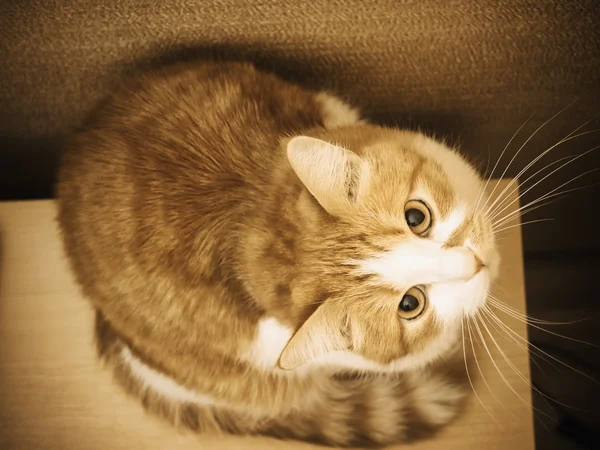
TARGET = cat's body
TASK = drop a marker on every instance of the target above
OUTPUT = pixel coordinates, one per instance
(205, 246)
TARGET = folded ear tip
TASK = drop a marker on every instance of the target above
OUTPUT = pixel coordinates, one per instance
(285, 363)
(298, 139)
(298, 143)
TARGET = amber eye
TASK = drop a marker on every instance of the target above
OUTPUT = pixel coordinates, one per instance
(412, 304)
(418, 217)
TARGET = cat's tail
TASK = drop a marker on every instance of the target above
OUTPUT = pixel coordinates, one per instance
(341, 411)
(374, 411)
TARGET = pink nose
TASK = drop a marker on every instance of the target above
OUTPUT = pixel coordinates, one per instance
(480, 265)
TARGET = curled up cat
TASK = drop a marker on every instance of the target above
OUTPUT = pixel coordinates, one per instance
(263, 261)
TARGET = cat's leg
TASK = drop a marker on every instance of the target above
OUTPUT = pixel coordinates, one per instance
(337, 113)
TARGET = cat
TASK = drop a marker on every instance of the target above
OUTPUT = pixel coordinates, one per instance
(264, 261)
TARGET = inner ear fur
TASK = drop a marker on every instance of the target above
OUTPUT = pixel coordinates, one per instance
(335, 176)
(325, 331)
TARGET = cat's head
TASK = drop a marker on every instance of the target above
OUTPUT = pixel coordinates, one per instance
(403, 252)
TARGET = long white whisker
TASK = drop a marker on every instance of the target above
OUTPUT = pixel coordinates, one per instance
(496, 213)
(550, 194)
(521, 224)
(563, 140)
(521, 345)
(480, 318)
(479, 368)
(487, 180)
(518, 372)
(553, 357)
(525, 344)
(533, 325)
(497, 303)
(523, 183)
(525, 143)
(469, 375)
(502, 195)
(496, 165)
(525, 209)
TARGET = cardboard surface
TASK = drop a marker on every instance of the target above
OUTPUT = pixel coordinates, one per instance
(54, 394)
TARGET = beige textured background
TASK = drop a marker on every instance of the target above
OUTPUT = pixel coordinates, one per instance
(471, 71)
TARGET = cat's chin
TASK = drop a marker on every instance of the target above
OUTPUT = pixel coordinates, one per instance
(454, 300)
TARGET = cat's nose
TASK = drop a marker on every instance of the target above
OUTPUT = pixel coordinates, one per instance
(458, 263)
(471, 262)
(478, 262)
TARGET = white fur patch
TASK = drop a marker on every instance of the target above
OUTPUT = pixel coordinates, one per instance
(454, 300)
(162, 384)
(336, 113)
(443, 229)
(421, 261)
(270, 340)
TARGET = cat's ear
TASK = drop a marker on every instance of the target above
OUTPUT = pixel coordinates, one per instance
(335, 176)
(323, 332)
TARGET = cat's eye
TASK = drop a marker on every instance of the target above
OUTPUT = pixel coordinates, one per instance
(412, 304)
(418, 217)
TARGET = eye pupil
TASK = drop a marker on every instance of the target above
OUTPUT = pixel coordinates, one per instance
(414, 217)
(409, 303)
(418, 217)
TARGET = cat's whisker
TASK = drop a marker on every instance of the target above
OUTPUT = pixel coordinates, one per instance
(486, 177)
(496, 213)
(497, 303)
(549, 195)
(496, 165)
(521, 224)
(523, 183)
(519, 374)
(568, 137)
(501, 322)
(504, 329)
(510, 363)
(503, 195)
(503, 306)
(522, 146)
(471, 338)
(523, 347)
(492, 359)
(541, 202)
(525, 209)
(469, 375)
(537, 327)
(563, 140)
(501, 208)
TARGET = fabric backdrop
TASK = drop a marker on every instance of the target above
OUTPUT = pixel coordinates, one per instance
(472, 72)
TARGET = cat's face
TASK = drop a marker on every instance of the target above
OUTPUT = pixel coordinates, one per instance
(414, 255)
